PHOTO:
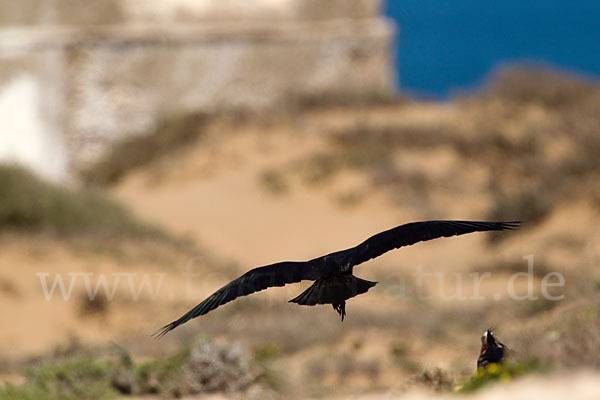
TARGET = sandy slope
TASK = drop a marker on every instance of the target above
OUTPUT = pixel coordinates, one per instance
(213, 194)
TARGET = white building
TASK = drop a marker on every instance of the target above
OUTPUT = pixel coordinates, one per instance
(75, 76)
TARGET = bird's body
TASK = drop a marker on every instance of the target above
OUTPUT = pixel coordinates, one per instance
(333, 273)
(492, 350)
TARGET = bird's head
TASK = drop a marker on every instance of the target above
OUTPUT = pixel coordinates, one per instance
(488, 341)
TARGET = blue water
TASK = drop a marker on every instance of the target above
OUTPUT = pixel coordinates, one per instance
(445, 46)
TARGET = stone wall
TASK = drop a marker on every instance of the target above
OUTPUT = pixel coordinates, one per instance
(111, 12)
(67, 91)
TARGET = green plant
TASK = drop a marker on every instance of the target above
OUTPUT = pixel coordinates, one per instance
(28, 203)
(500, 373)
(76, 378)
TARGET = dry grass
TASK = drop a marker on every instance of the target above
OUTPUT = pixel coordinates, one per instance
(28, 204)
(97, 306)
(172, 134)
(437, 380)
(540, 85)
(274, 182)
(513, 127)
(568, 337)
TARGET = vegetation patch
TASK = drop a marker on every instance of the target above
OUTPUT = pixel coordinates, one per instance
(531, 83)
(401, 356)
(30, 204)
(500, 373)
(534, 131)
(569, 338)
(76, 378)
(437, 380)
(273, 182)
(205, 368)
(132, 152)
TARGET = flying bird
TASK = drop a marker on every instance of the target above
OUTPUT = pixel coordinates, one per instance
(492, 350)
(332, 273)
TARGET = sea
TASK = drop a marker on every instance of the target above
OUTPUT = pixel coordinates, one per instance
(445, 47)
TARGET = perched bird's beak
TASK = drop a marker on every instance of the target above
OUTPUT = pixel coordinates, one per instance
(484, 342)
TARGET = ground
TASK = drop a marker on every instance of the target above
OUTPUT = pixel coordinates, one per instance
(250, 190)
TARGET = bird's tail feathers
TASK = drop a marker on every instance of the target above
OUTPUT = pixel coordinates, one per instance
(333, 290)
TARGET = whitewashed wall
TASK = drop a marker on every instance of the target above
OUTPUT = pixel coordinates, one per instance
(68, 92)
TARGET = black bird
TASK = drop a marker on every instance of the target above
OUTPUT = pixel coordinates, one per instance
(492, 350)
(332, 273)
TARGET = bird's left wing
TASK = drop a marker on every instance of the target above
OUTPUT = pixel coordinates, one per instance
(252, 281)
(408, 234)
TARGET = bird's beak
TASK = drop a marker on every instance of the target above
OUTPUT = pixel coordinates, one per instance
(483, 343)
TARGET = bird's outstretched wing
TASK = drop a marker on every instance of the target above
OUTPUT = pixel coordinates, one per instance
(252, 281)
(285, 272)
(405, 235)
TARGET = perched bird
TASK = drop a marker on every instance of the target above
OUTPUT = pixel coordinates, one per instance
(492, 350)
(332, 273)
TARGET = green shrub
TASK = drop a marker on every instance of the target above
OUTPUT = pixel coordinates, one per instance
(28, 203)
(77, 378)
(500, 373)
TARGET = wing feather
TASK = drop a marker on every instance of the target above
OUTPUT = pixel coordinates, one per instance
(414, 232)
(252, 281)
(282, 273)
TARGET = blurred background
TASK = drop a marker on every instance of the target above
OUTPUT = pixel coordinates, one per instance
(153, 150)
(447, 47)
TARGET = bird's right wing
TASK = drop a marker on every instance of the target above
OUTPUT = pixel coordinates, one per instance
(408, 234)
(252, 281)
